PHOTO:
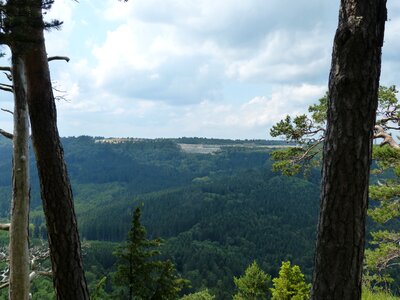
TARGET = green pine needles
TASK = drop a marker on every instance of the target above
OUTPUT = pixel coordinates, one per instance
(139, 274)
(308, 131)
(255, 284)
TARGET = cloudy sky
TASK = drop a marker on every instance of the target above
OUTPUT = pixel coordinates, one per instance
(209, 68)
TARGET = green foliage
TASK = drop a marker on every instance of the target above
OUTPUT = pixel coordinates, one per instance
(368, 294)
(213, 228)
(385, 250)
(253, 285)
(318, 110)
(307, 132)
(292, 130)
(389, 207)
(384, 253)
(99, 293)
(42, 289)
(202, 295)
(168, 285)
(388, 104)
(289, 161)
(139, 272)
(386, 157)
(290, 284)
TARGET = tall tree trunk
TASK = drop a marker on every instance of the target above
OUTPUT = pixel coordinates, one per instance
(353, 94)
(65, 248)
(19, 253)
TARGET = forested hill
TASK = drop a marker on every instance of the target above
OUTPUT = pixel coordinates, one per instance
(216, 203)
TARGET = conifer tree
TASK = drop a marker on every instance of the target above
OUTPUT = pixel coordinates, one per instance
(253, 285)
(138, 271)
(202, 295)
(309, 131)
(290, 284)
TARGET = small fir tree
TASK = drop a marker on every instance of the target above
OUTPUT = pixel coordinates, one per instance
(138, 272)
(290, 284)
(253, 285)
(202, 295)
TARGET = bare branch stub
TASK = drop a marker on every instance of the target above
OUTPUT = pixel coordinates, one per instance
(4, 285)
(9, 136)
(7, 69)
(38, 254)
(7, 110)
(51, 58)
(6, 88)
(9, 76)
(5, 226)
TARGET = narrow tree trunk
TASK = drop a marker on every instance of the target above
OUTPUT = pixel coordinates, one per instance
(65, 248)
(19, 253)
(353, 94)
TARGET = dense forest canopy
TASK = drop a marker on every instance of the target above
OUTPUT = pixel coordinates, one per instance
(217, 212)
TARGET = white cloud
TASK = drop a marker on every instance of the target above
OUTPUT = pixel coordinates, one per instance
(183, 52)
(162, 68)
(284, 56)
(58, 40)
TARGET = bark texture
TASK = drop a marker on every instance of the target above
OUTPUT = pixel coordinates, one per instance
(353, 94)
(19, 244)
(65, 249)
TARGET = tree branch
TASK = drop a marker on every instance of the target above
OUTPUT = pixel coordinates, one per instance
(308, 150)
(4, 285)
(9, 136)
(7, 110)
(4, 39)
(380, 133)
(5, 226)
(4, 87)
(9, 76)
(51, 58)
(8, 69)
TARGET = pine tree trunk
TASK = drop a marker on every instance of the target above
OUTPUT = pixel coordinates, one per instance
(353, 95)
(19, 253)
(65, 248)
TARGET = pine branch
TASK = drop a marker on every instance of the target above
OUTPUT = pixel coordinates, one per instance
(380, 133)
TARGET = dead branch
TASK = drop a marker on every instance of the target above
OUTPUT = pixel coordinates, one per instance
(6, 88)
(4, 285)
(51, 58)
(7, 69)
(9, 76)
(7, 135)
(5, 226)
(316, 131)
(386, 261)
(380, 133)
(7, 110)
(33, 275)
(308, 150)
(37, 255)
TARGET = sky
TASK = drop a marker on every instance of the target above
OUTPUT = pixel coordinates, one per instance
(205, 68)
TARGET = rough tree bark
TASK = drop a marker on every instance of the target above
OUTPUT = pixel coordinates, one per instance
(19, 253)
(353, 94)
(65, 248)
